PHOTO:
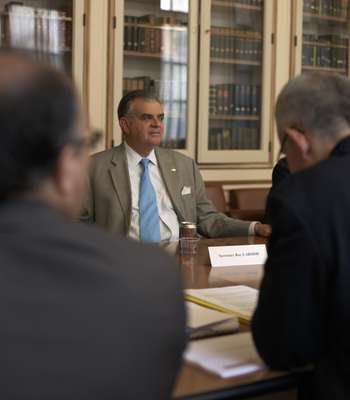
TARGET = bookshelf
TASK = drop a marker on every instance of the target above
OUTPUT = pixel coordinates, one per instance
(159, 48)
(214, 66)
(323, 26)
(239, 148)
(157, 45)
(235, 69)
(198, 59)
(327, 9)
(45, 30)
(208, 62)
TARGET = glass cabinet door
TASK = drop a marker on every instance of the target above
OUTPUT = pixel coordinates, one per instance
(235, 76)
(156, 56)
(44, 30)
(325, 36)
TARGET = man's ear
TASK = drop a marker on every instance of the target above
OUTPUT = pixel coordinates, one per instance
(124, 125)
(300, 141)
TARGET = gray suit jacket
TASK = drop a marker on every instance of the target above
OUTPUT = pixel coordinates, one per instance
(109, 197)
(81, 315)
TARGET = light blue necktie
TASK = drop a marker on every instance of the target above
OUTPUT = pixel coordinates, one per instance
(149, 215)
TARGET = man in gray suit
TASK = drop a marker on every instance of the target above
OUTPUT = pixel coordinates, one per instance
(116, 175)
(84, 315)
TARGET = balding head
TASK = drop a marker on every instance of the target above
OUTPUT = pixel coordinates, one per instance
(39, 116)
(316, 103)
(313, 115)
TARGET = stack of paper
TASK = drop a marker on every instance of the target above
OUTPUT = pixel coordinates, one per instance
(226, 356)
(237, 300)
(204, 322)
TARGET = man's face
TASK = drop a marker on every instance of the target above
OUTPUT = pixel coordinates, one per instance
(143, 127)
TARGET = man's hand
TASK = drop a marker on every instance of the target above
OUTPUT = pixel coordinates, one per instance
(263, 230)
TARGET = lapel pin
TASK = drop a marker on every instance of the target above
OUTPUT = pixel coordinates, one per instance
(173, 169)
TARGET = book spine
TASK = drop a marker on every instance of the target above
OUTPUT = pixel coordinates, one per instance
(134, 35)
(237, 101)
(254, 100)
(226, 100)
(226, 139)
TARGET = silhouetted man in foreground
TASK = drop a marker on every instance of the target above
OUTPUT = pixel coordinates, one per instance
(83, 315)
(303, 313)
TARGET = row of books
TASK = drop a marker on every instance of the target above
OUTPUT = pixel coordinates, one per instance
(234, 47)
(37, 29)
(234, 99)
(331, 39)
(238, 137)
(243, 33)
(144, 39)
(325, 56)
(137, 83)
(332, 8)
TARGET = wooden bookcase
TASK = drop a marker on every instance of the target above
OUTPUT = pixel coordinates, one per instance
(52, 31)
(113, 69)
(236, 70)
(321, 36)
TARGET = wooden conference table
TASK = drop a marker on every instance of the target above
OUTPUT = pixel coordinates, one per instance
(195, 383)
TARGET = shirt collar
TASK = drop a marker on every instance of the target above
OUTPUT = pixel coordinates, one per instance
(134, 158)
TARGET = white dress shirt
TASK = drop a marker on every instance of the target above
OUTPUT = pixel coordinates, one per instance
(169, 224)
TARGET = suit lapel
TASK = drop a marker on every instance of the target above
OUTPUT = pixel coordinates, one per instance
(121, 182)
(171, 180)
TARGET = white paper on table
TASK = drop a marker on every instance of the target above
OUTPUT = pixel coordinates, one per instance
(237, 299)
(226, 356)
(198, 316)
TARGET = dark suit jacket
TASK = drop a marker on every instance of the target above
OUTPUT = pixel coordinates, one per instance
(84, 315)
(279, 173)
(303, 313)
(109, 199)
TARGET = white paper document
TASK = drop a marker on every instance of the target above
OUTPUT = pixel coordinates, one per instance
(205, 322)
(229, 256)
(200, 317)
(240, 300)
(226, 356)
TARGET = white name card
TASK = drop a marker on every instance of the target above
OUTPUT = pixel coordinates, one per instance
(229, 256)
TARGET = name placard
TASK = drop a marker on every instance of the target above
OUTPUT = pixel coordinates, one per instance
(229, 256)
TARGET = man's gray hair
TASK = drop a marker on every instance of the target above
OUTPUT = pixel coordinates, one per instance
(125, 103)
(317, 103)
